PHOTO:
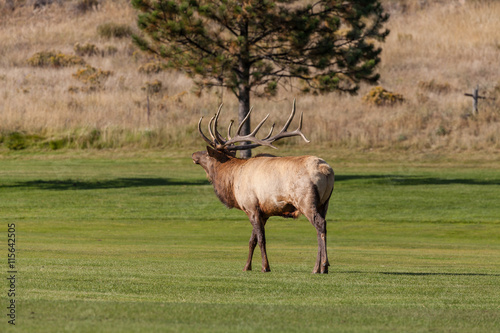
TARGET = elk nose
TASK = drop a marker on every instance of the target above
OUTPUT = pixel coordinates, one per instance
(196, 158)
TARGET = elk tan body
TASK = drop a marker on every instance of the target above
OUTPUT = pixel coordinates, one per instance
(265, 186)
(276, 185)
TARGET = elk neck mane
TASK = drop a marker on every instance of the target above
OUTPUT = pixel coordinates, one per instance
(222, 180)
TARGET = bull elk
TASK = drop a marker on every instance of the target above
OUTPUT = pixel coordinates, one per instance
(266, 185)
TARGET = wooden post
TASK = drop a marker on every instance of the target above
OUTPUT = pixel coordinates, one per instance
(149, 110)
(475, 97)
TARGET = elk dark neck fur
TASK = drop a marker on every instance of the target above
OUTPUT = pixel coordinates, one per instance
(222, 180)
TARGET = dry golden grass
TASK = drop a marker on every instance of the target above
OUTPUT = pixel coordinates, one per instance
(434, 54)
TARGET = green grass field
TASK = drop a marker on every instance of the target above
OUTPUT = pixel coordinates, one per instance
(115, 242)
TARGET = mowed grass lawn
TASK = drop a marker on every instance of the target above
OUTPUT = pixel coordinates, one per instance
(113, 242)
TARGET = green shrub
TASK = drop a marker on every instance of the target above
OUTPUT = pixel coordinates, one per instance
(54, 59)
(113, 30)
(442, 131)
(83, 6)
(16, 141)
(56, 144)
(91, 139)
(109, 50)
(86, 49)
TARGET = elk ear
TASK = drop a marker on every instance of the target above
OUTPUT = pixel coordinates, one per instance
(217, 154)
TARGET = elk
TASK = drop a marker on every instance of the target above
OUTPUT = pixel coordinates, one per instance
(266, 185)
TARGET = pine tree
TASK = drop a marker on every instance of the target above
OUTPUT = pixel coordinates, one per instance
(254, 46)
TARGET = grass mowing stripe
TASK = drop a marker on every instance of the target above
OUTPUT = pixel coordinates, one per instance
(209, 317)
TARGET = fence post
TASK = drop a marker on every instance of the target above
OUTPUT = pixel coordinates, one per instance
(475, 97)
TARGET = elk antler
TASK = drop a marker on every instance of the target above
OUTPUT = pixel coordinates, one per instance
(218, 141)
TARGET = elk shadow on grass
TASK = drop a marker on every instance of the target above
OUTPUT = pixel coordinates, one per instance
(420, 273)
(73, 184)
(402, 180)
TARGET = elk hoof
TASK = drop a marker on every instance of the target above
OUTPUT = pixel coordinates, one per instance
(323, 270)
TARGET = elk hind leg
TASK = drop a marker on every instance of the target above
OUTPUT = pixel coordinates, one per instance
(261, 239)
(319, 222)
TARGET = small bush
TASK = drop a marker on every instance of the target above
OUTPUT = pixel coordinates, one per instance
(73, 89)
(83, 6)
(109, 50)
(16, 141)
(114, 30)
(403, 38)
(86, 49)
(54, 59)
(442, 131)
(151, 68)
(92, 76)
(435, 87)
(380, 97)
(41, 3)
(56, 144)
(91, 139)
(152, 87)
(402, 137)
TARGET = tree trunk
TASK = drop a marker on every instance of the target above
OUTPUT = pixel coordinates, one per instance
(244, 85)
(243, 108)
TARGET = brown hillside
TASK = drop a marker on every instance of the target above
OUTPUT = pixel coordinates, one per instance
(434, 54)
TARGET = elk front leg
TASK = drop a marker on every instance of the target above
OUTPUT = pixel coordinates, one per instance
(251, 248)
(258, 237)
